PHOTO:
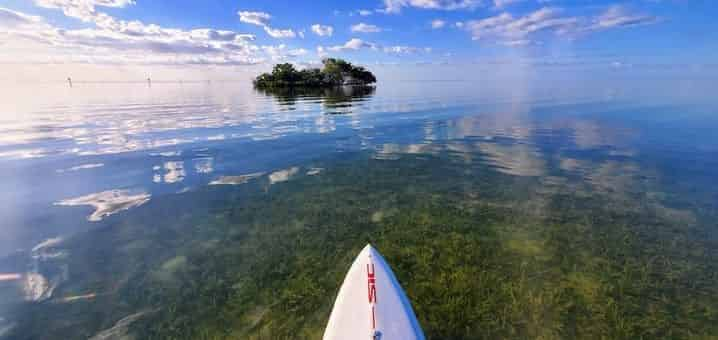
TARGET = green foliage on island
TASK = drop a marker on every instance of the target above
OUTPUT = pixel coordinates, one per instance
(335, 72)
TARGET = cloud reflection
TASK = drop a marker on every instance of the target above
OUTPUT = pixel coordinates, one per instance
(108, 202)
(514, 159)
(283, 175)
(204, 165)
(81, 167)
(236, 180)
(169, 172)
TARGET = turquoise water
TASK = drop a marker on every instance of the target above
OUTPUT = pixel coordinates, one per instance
(580, 209)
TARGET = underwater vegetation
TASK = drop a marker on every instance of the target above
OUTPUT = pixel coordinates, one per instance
(481, 254)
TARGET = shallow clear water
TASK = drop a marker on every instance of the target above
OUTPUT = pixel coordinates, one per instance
(106, 169)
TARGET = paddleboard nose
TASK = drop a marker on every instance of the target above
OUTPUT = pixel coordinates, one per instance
(371, 303)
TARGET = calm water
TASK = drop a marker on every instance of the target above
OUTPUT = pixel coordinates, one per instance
(120, 200)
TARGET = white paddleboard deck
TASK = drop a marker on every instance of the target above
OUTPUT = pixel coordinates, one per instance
(371, 304)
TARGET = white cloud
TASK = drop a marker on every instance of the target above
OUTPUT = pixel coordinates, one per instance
(361, 12)
(87, 4)
(279, 33)
(505, 25)
(395, 6)
(365, 28)
(438, 23)
(297, 52)
(254, 18)
(518, 42)
(86, 10)
(618, 16)
(321, 52)
(358, 44)
(405, 49)
(31, 40)
(353, 45)
(13, 19)
(513, 31)
(322, 30)
(262, 19)
(504, 3)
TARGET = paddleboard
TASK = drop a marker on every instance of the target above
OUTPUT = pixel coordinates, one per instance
(371, 305)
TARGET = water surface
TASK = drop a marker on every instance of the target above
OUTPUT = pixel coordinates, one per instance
(524, 209)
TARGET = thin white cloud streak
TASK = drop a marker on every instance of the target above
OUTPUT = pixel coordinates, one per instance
(513, 31)
(618, 16)
(279, 33)
(395, 6)
(13, 19)
(402, 49)
(365, 28)
(438, 23)
(499, 4)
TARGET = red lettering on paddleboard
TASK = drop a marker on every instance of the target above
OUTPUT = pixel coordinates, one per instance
(371, 287)
(371, 282)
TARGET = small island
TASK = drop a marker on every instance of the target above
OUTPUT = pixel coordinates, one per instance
(336, 72)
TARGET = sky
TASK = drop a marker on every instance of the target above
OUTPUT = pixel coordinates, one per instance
(128, 39)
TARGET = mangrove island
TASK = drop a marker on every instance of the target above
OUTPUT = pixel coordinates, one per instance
(335, 72)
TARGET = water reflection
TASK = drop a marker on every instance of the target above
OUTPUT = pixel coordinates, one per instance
(236, 180)
(523, 154)
(283, 175)
(335, 100)
(108, 202)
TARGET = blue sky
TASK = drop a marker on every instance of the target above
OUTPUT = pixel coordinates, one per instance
(391, 32)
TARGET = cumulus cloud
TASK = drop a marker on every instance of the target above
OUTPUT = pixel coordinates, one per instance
(358, 44)
(254, 18)
(117, 41)
(395, 6)
(86, 10)
(262, 19)
(365, 28)
(438, 23)
(353, 45)
(322, 30)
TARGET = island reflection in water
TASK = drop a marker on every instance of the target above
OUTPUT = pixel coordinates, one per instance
(335, 100)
